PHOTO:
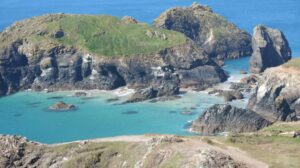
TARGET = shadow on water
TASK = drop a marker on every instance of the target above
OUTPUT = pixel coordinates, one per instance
(18, 115)
(129, 112)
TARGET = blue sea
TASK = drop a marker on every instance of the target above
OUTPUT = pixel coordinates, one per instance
(26, 113)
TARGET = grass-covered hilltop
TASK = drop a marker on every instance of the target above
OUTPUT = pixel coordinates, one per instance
(99, 34)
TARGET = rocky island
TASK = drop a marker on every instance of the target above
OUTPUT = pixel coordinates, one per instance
(67, 52)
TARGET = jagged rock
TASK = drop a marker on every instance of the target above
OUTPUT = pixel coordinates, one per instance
(212, 159)
(62, 106)
(218, 37)
(277, 95)
(270, 49)
(167, 86)
(226, 118)
(129, 20)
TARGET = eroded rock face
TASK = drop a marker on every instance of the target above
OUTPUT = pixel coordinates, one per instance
(226, 118)
(277, 95)
(218, 37)
(270, 49)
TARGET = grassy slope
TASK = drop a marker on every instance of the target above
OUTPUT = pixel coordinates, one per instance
(293, 63)
(107, 36)
(269, 146)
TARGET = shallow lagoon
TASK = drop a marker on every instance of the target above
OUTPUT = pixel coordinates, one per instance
(26, 114)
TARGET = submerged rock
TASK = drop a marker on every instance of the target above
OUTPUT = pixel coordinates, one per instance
(270, 49)
(62, 106)
(212, 32)
(80, 94)
(226, 118)
(130, 112)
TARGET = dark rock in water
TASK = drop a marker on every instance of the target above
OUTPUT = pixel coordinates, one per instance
(167, 87)
(56, 97)
(277, 95)
(172, 112)
(212, 32)
(228, 95)
(80, 94)
(243, 72)
(130, 112)
(188, 113)
(62, 106)
(112, 100)
(226, 118)
(270, 49)
(18, 115)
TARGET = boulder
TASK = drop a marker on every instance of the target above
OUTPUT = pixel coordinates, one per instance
(165, 87)
(62, 106)
(270, 49)
(212, 32)
(226, 118)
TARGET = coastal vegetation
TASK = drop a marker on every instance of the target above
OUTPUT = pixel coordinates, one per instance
(102, 35)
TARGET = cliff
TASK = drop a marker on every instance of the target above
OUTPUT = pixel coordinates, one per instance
(210, 31)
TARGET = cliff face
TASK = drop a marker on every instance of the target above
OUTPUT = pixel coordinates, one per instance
(277, 95)
(226, 118)
(49, 52)
(218, 37)
(270, 49)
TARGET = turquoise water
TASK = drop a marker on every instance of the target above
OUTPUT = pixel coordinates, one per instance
(26, 114)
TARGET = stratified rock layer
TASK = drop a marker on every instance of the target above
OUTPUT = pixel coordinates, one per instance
(226, 118)
(210, 31)
(270, 49)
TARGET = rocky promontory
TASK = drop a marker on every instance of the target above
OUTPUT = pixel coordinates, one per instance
(270, 49)
(227, 118)
(277, 95)
(82, 52)
(212, 32)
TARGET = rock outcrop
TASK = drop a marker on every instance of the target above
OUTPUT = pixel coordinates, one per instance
(226, 118)
(62, 106)
(218, 37)
(277, 96)
(55, 64)
(270, 49)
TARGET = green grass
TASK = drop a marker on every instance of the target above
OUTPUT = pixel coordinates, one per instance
(293, 63)
(269, 146)
(109, 36)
